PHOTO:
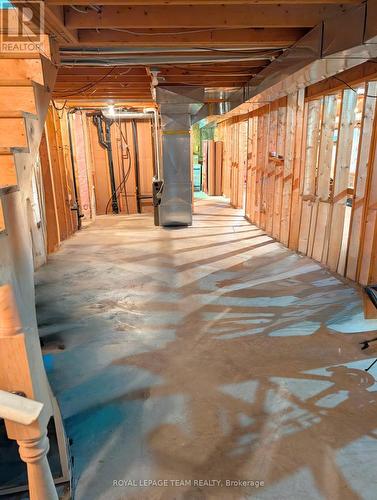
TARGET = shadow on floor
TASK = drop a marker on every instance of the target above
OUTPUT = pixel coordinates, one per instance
(207, 362)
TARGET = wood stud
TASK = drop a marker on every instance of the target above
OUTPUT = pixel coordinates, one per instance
(312, 174)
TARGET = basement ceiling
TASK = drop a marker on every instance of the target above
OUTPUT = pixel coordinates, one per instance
(116, 50)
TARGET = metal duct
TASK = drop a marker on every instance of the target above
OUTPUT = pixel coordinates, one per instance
(370, 35)
(323, 52)
(336, 40)
(177, 105)
(149, 60)
(108, 51)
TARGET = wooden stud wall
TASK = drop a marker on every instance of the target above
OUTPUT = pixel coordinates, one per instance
(311, 172)
(127, 191)
(55, 159)
(55, 156)
(50, 197)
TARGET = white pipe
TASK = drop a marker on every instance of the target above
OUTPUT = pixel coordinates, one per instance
(148, 113)
(157, 140)
(127, 115)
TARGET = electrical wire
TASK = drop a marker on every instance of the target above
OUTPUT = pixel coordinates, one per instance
(88, 86)
(173, 33)
(77, 9)
(206, 70)
(85, 10)
(59, 111)
(56, 107)
(351, 88)
(95, 83)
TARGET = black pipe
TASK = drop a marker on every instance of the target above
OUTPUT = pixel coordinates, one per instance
(111, 168)
(137, 176)
(106, 143)
(76, 206)
(98, 122)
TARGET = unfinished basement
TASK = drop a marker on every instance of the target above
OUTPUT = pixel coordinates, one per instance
(188, 249)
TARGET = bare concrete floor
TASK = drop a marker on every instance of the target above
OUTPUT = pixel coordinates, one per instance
(207, 353)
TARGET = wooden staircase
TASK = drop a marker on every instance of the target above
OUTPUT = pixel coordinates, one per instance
(26, 83)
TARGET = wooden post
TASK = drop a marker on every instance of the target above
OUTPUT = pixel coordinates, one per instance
(218, 167)
(311, 142)
(341, 181)
(211, 168)
(34, 453)
(362, 176)
(16, 376)
(52, 220)
(321, 212)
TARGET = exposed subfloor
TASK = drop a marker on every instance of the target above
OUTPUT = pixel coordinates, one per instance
(207, 353)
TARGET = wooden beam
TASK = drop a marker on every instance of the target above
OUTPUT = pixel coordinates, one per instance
(100, 71)
(367, 272)
(200, 2)
(353, 76)
(53, 21)
(58, 180)
(363, 171)
(131, 82)
(82, 80)
(73, 84)
(8, 173)
(52, 221)
(256, 37)
(201, 16)
(54, 24)
(29, 70)
(173, 72)
(341, 181)
(125, 72)
(13, 132)
(216, 84)
(17, 99)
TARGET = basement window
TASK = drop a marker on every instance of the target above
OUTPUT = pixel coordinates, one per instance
(36, 201)
(313, 137)
(2, 222)
(358, 114)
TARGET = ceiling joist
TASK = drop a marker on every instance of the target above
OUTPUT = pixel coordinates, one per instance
(110, 50)
(201, 2)
(257, 37)
(201, 16)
